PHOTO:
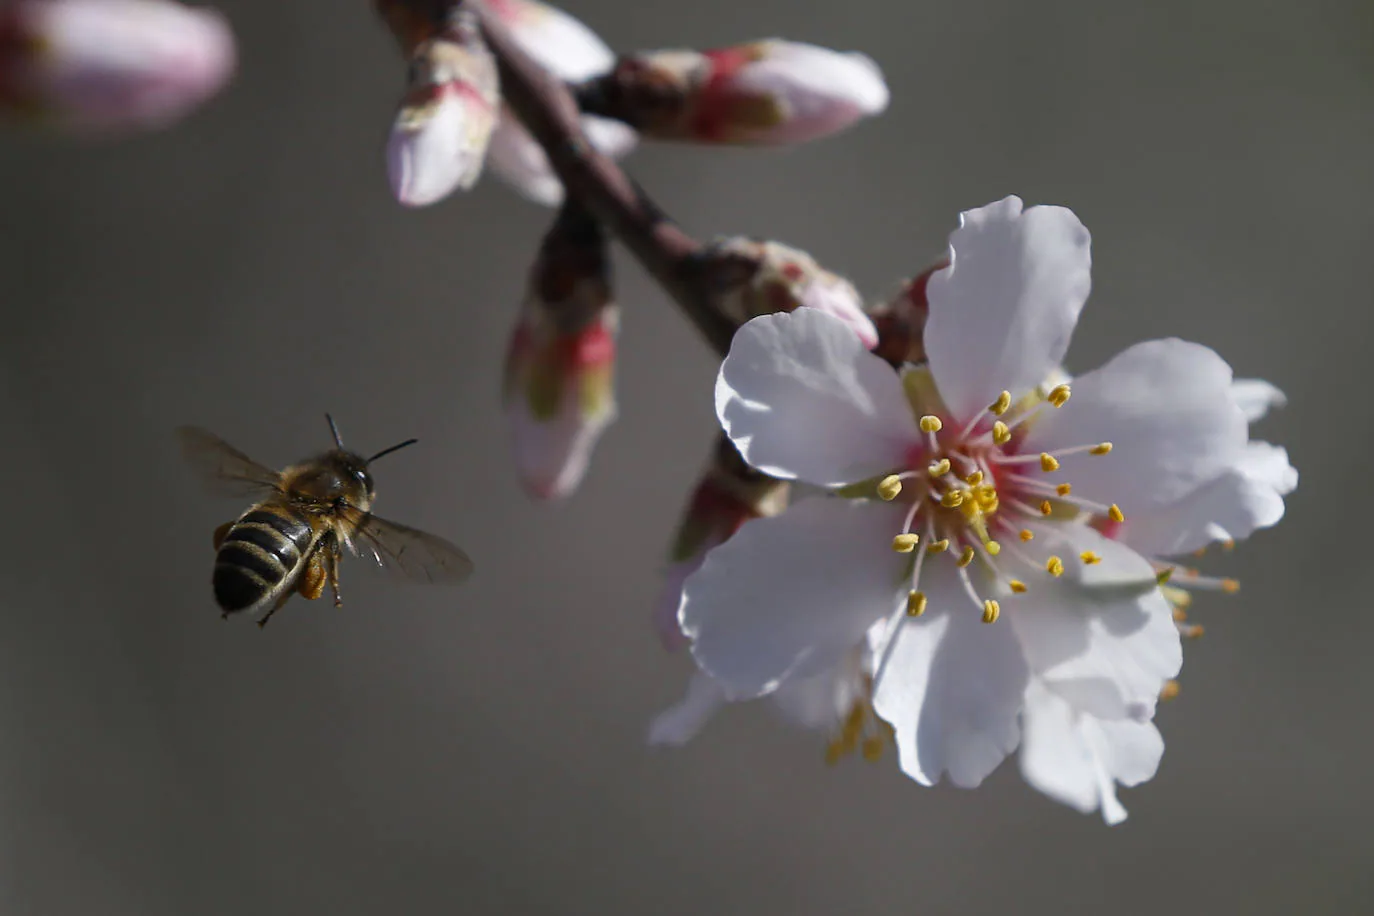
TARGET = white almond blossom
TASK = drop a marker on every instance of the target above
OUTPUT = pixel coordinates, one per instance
(981, 516)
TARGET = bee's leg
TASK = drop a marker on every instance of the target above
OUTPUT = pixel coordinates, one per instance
(332, 562)
(311, 584)
(276, 607)
(221, 533)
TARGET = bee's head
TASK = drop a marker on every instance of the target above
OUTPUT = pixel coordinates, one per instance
(352, 468)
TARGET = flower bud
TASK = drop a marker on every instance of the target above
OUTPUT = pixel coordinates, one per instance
(901, 321)
(111, 64)
(765, 92)
(440, 137)
(753, 278)
(728, 494)
(559, 387)
(571, 52)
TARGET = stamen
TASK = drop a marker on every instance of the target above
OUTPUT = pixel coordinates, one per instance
(931, 424)
(1168, 691)
(1002, 404)
(905, 543)
(889, 487)
(974, 479)
(966, 557)
(1164, 575)
(1046, 508)
(1100, 449)
(1054, 566)
(1048, 462)
(1017, 586)
(1027, 534)
(1059, 395)
(915, 604)
(1191, 579)
(938, 546)
(1089, 558)
(993, 547)
(939, 468)
(952, 499)
(1064, 489)
(1115, 514)
(872, 749)
(1001, 434)
(991, 611)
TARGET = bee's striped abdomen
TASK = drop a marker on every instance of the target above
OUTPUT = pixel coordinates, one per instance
(262, 550)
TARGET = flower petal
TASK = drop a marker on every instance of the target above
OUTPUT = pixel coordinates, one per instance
(1002, 313)
(952, 688)
(802, 399)
(1104, 629)
(1257, 397)
(821, 700)
(680, 723)
(789, 596)
(1166, 407)
(519, 161)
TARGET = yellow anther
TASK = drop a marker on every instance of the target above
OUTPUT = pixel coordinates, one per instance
(1101, 449)
(1027, 534)
(1180, 615)
(1115, 514)
(966, 557)
(991, 611)
(931, 424)
(905, 543)
(1089, 557)
(1045, 507)
(1001, 405)
(939, 468)
(872, 749)
(915, 604)
(993, 547)
(953, 499)
(1054, 566)
(1164, 575)
(1048, 462)
(889, 487)
(1001, 433)
(1168, 691)
(1064, 489)
(1230, 586)
(854, 723)
(1059, 395)
(974, 479)
(1018, 586)
(1228, 544)
(938, 546)
(834, 752)
(1192, 631)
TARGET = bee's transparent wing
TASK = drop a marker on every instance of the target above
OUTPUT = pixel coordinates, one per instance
(223, 469)
(409, 554)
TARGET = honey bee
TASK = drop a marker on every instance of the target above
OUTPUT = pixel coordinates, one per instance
(292, 539)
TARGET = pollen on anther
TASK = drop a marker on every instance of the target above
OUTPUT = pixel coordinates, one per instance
(973, 479)
(1002, 404)
(1027, 535)
(1089, 557)
(966, 557)
(1115, 514)
(915, 604)
(991, 611)
(905, 543)
(1059, 395)
(1230, 586)
(1054, 566)
(1102, 449)
(1018, 586)
(1164, 575)
(872, 749)
(1001, 433)
(993, 547)
(889, 487)
(931, 424)
(953, 499)
(1045, 507)
(1048, 462)
(939, 468)
(1168, 691)
(938, 546)
(1064, 489)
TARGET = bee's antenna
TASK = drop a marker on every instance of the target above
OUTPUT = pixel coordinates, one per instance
(388, 451)
(335, 430)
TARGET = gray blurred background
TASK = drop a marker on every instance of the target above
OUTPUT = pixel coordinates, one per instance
(481, 750)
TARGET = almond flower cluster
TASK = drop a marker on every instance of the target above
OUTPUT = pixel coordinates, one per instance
(989, 566)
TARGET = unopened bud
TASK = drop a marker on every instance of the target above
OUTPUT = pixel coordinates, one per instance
(728, 494)
(753, 278)
(445, 122)
(110, 64)
(901, 320)
(559, 387)
(765, 92)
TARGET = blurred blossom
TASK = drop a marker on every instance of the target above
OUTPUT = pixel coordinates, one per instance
(110, 64)
(974, 516)
(439, 141)
(559, 380)
(755, 278)
(571, 52)
(764, 92)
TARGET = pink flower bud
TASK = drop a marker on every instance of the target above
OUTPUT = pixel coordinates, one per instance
(559, 380)
(766, 92)
(111, 64)
(901, 321)
(758, 278)
(728, 494)
(571, 52)
(440, 137)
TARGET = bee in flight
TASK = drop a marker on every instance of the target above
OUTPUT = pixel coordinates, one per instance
(293, 538)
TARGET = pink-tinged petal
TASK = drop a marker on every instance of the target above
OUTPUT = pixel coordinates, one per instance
(432, 150)
(681, 722)
(1002, 313)
(952, 687)
(802, 399)
(519, 161)
(560, 43)
(1257, 397)
(1230, 508)
(1077, 760)
(1104, 629)
(1167, 409)
(789, 596)
(837, 297)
